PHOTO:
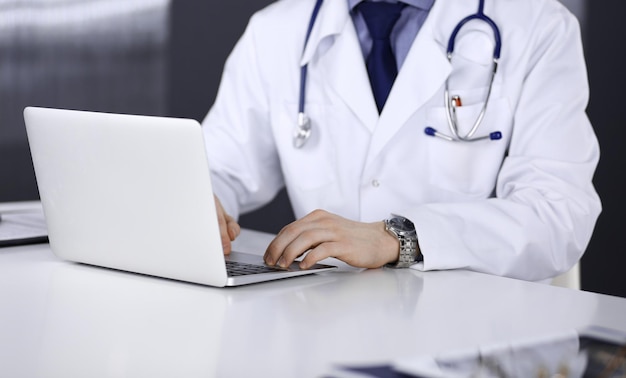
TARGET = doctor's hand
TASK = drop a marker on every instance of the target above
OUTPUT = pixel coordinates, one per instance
(363, 245)
(229, 228)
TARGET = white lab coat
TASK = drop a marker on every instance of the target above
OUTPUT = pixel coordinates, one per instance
(523, 206)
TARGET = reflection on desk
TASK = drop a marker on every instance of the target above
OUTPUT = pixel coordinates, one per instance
(137, 325)
(61, 319)
(22, 226)
(592, 352)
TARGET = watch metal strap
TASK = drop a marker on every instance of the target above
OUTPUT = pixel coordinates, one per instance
(409, 253)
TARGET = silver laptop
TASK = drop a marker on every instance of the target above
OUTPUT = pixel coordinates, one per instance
(134, 193)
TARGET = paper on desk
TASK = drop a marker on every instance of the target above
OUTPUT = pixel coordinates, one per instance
(25, 227)
(542, 356)
(549, 354)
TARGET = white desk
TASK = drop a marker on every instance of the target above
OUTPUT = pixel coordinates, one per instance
(60, 319)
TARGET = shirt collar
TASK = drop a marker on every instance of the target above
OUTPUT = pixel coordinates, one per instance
(422, 4)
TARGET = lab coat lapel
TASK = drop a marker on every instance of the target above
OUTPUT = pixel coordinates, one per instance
(341, 64)
(424, 71)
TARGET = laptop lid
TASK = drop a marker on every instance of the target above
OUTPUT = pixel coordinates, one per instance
(128, 192)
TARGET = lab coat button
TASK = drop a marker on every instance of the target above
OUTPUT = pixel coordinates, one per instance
(375, 183)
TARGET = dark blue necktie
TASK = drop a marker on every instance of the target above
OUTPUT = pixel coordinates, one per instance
(380, 17)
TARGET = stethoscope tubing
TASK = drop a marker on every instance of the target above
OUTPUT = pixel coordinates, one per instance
(302, 132)
(450, 104)
(303, 129)
(481, 16)
(304, 68)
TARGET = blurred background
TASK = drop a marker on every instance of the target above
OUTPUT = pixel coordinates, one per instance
(165, 57)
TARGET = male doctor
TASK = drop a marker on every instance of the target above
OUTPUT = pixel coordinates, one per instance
(370, 186)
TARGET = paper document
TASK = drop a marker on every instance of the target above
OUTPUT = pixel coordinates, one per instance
(590, 352)
(22, 227)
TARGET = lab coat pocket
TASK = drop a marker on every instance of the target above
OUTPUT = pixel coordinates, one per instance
(469, 169)
(311, 166)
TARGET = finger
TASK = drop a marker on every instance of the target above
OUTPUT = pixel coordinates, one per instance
(225, 237)
(306, 240)
(319, 253)
(285, 237)
(233, 227)
(291, 232)
(277, 246)
(221, 220)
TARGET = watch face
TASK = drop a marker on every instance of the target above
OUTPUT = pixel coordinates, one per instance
(402, 224)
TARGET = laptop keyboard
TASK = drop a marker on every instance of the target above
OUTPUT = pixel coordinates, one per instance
(235, 268)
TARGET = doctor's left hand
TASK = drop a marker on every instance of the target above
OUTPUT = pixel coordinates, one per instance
(229, 228)
(363, 245)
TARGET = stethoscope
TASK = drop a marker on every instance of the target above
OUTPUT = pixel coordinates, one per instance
(302, 131)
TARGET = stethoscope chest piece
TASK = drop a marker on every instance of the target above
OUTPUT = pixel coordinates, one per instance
(302, 131)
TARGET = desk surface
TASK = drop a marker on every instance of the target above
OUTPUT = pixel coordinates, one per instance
(60, 319)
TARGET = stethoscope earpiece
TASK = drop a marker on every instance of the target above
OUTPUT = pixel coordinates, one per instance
(496, 135)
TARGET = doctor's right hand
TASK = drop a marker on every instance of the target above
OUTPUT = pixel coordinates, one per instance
(229, 228)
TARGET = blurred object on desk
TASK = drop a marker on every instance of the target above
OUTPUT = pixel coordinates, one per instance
(22, 223)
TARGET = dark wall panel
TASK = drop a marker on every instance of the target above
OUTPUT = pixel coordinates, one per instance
(88, 55)
(203, 33)
(604, 265)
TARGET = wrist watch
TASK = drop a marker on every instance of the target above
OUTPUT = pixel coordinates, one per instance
(404, 230)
